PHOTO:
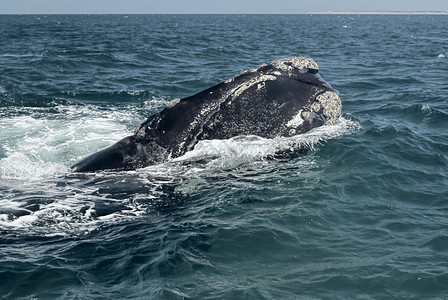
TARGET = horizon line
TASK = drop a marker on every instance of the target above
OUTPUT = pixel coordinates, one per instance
(329, 12)
(381, 12)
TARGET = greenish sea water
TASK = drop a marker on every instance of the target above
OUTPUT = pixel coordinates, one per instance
(363, 214)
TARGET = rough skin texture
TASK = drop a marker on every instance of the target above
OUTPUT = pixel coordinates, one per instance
(285, 98)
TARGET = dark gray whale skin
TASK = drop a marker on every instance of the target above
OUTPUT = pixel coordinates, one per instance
(285, 98)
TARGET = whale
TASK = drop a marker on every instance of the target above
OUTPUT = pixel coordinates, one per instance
(284, 98)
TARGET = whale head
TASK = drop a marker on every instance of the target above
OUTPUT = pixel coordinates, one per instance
(284, 98)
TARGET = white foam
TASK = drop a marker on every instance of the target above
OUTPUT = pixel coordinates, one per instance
(36, 150)
(155, 103)
(60, 216)
(20, 166)
(244, 150)
(23, 221)
(38, 147)
(426, 107)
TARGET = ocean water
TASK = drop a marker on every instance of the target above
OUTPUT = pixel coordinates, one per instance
(361, 214)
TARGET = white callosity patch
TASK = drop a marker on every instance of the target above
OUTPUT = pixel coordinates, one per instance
(257, 80)
(172, 103)
(315, 107)
(331, 104)
(298, 62)
(296, 121)
(285, 64)
(327, 103)
(306, 115)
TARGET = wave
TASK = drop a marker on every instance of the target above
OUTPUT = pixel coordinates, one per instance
(15, 96)
(416, 113)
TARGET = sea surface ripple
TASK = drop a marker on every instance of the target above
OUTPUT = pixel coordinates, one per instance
(362, 214)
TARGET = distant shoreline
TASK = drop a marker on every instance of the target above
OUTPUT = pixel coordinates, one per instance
(349, 12)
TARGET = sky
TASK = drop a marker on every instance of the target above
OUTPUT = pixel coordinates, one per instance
(212, 6)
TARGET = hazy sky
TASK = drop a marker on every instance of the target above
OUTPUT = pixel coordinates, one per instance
(212, 6)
